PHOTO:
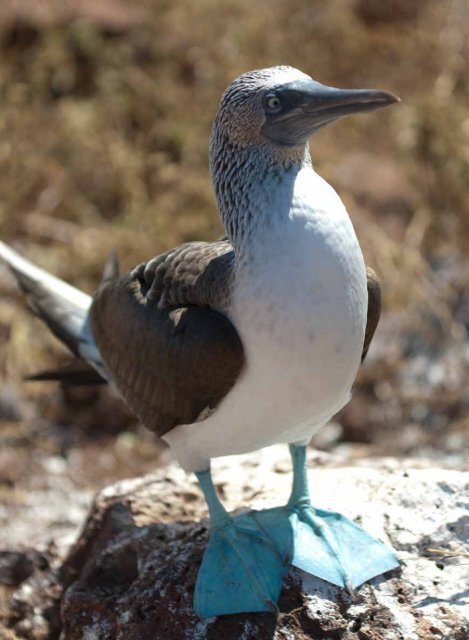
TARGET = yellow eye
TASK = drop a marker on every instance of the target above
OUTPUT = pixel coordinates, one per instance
(272, 103)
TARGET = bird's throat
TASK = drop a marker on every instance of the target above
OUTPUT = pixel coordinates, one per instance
(254, 187)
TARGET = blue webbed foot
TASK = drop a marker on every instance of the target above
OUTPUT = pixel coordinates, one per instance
(332, 547)
(329, 545)
(248, 555)
(242, 569)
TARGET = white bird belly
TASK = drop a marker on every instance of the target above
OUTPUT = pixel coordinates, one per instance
(299, 305)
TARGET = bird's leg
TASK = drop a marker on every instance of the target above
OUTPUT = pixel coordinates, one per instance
(219, 516)
(242, 569)
(299, 496)
(300, 503)
(327, 544)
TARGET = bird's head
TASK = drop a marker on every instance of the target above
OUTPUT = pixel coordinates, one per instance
(282, 106)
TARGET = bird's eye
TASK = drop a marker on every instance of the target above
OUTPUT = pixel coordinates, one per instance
(272, 102)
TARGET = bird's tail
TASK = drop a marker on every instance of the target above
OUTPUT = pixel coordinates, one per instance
(63, 308)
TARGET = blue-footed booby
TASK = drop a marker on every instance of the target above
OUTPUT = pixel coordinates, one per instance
(226, 347)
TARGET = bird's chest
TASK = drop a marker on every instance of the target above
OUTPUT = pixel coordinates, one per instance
(300, 298)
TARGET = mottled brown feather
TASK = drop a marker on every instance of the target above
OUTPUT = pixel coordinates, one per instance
(374, 308)
(170, 355)
(197, 273)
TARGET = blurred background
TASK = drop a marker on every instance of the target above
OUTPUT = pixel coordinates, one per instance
(105, 113)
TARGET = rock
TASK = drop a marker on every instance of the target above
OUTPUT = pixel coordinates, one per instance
(131, 573)
(15, 567)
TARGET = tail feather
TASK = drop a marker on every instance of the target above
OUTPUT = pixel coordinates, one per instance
(62, 307)
(111, 268)
(77, 373)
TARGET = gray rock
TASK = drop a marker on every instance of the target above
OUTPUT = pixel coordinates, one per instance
(131, 573)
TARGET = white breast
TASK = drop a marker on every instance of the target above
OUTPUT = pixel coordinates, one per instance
(299, 305)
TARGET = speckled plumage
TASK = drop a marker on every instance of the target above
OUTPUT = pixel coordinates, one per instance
(199, 273)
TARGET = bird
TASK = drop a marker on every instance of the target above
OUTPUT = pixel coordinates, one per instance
(226, 347)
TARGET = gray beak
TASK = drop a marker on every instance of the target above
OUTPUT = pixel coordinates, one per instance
(306, 106)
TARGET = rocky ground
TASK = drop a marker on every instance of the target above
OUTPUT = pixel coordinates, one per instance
(131, 572)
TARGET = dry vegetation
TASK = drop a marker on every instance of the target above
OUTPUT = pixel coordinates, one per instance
(105, 112)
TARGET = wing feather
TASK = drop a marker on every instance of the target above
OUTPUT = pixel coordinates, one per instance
(170, 354)
(374, 308)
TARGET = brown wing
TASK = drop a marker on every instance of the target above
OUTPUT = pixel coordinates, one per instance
(374, 308)
(170, 363)
(193, 273)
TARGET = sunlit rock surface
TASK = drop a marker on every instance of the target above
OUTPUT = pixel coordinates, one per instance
(131, 573)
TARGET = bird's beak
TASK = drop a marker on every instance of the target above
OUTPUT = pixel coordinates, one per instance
(307, 105)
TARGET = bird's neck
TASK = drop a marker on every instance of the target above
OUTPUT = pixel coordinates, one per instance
(254, 188)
